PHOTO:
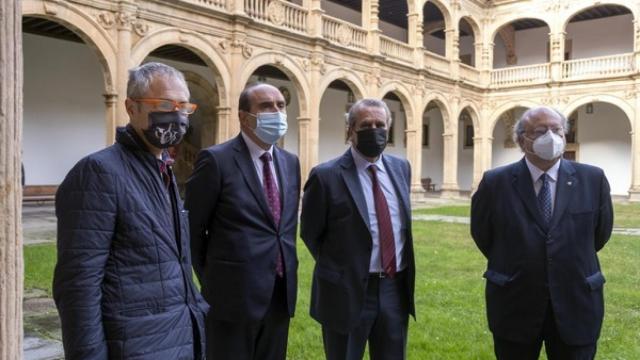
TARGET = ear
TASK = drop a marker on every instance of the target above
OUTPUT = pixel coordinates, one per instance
(129, 104)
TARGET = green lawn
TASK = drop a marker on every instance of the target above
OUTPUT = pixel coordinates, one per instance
(626, 215)
(452, 210)
(451, 320)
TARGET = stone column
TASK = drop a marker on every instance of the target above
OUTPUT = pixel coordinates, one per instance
(111, 117)
(370, 22)
(634, 190)
(415, 37)
(556, 54)
(222, 131)
(124, 19)
(481, 158)
(308, 142)
(11, 264)
(452, 38)
(236, 7)
(450, 187)
(315, 18)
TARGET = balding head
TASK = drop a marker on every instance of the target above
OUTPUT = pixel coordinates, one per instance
(537, 118)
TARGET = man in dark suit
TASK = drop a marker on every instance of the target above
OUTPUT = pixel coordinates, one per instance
(243, 201)
(540, 222)
(356, 222)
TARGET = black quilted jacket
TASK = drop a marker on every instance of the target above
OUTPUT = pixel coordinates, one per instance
(122, 283)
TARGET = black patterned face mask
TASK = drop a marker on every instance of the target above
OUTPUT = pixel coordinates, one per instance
(166, 128)
(371, 142)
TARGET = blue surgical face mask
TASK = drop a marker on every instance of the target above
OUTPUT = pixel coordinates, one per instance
(270, 127)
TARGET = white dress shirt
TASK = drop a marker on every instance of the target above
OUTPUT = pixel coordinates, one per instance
(553, 179)
(375, 264)
(256, 151)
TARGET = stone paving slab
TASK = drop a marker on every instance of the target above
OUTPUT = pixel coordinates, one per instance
(41, 349)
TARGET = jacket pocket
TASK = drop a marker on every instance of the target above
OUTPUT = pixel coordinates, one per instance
(595, 281)
(499, 278)
(328, 274)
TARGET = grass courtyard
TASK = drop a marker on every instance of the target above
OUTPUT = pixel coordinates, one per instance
(451, 321)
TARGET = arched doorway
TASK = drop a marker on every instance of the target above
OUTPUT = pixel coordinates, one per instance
(521, 42)
(433, 120)
(505, 150)
(397, 143)
(466, 147)
(599, 135)
(467, 35)
(334, 106)
(433, 29)
(64, 87)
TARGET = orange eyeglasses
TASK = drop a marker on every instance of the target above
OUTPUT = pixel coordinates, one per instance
(167, 105)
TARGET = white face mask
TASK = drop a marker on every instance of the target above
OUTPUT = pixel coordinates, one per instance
(549, 146)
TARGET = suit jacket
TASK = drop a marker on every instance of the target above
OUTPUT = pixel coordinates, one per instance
(234, 239)
(335, 228)
(532, 264)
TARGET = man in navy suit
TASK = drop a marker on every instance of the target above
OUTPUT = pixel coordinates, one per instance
(540, 222)
(356, 222)
(243, 201)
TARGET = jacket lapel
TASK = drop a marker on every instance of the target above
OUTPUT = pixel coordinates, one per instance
(395, 173)
(351, 179)
(282, 171)
(524, 187)
(564, 190)
(245, 164)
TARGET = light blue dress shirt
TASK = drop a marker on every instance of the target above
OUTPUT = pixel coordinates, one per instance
(375, 265)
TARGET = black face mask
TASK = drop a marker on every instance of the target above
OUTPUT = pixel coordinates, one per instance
(166, 128)
(371, 142)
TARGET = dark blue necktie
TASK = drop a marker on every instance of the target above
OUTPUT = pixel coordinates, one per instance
(544, 198)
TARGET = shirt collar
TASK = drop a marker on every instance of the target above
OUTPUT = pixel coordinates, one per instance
(254, 149)
(362, 164)
(536, 172)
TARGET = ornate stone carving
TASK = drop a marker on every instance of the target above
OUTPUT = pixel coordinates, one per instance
(106, 19)
(554, 101)
(556, 5)
(51, 6)
(275, 12)
(224, 46)
(140, 27)
(315, 61)
(124, 20)
(374, 77)
(344, 34)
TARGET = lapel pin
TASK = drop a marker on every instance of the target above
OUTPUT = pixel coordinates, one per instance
(569, 183)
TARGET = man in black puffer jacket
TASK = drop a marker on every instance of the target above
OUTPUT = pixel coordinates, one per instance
(123, 284)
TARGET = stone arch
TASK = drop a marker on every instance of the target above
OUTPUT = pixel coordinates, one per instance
(474, 26)
(627, 108)
(578, 8)
(512, 18)
(288, 66)
(441, 102)
(444, 9)
(474, 113)
(192, 41)
(349, 77)
(495, 115)
(83, 25)
(403, 93)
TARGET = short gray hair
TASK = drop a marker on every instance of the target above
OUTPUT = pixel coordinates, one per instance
(140, 78)
(366, 103)
(518, 128)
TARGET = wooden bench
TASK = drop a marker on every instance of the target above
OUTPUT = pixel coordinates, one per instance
(39, 193)
(427, 185)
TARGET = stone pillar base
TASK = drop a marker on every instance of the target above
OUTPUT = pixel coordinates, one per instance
(450, 194)
(634, 195)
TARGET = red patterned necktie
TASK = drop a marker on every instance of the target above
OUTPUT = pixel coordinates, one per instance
(385, 230)
(273, 199)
